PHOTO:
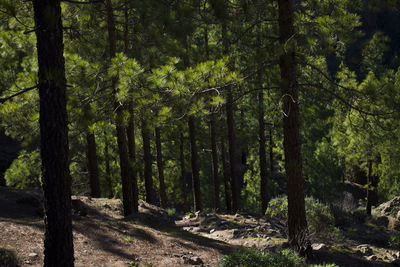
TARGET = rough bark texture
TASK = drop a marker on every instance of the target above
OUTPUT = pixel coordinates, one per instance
(160, 167)
(127, 188)
(271, 152)
(108, 168)
(297, 224)
(148, 174)
(130, 131)
(225, 170)
(214, 157)
(93, 170)
(182, 165)
(262, 153)
(231, 134)
(195, 168)
(58, 244)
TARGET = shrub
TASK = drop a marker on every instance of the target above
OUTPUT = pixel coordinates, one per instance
(24, 171)
(319, 217)
(255, 258)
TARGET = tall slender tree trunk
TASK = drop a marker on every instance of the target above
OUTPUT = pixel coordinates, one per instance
(271, 152)
(182, 165)
(225, 170)
(93, 169)
(214, 154)
(262, 153)
(147, 158)
(107, 163)
(195, 168)
(370, 190)
(58, 243)
(160, 167)
(297, 224)
(231, 133)
(127, 188)
(130, 131)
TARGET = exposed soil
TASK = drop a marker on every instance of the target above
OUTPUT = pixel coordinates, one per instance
(102, 237)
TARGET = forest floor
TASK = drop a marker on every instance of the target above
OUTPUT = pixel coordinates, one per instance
(102, 237)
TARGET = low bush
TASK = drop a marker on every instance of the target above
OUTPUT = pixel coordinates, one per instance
(319, 217)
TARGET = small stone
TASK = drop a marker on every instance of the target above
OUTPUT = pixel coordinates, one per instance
(318, 246)
(372, 258)
(212, 231)
(32, 255)
(365, 249)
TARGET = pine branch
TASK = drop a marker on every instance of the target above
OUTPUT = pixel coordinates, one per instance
(85, 2)
(3, 100)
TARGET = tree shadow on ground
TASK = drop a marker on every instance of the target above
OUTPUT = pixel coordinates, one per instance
(8, 258)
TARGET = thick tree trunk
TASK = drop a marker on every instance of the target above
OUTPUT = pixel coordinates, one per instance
(370, 191)
(93, 170)
(297, 224)
(130, 131)
(182, 165)
(225, 170)
(214, 154)
(147, 158)
(160, 166)
(127, 188)
(108, 169)
(195, 168)
(231, 133)
(58, 243)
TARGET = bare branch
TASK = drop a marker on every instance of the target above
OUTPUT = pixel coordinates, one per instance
(2, 100)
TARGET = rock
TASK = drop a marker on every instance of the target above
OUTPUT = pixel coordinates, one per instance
(268, 238)
(365, 250)
(318, 246)
(372, 258)
(212, 231)
(390, 208)
(78, 207)
(32, 255)
(192, 260)
(105, 205)
(396, 262)
(382, 221)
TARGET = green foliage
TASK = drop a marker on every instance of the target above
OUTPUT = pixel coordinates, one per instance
(25, 171)
(394, 241)
(319, 217)
(254, 258)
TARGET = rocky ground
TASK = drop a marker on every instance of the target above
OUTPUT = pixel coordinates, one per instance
(102, 237)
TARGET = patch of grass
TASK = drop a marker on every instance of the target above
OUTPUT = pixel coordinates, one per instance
(254, 258)
(340, 250)
(7, 258)
(128, 239)
(394, 241)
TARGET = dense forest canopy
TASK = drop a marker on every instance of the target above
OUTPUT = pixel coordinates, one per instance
(210, 104)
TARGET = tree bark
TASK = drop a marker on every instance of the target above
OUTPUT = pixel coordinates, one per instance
(107, 163)
(148, 173)
(160, 166)
(93, 170)
(231, 133)
(127, 188)
(58, 243)
(130, 131)
(262, 153)
(297, 224)
(225, 170)
(182, 165)
(271, 152)
(214, 154)
(195, 168)
(370, 191)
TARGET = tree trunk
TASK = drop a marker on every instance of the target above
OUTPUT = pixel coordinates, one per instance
(195, 168)
(107, 163)
(231, 133)
(297, 224)
(182, 165)
(262, 153)
(58, 243)
(131, 125)
(148, 174)
(225, 170)
(271, 152)
(214, 154)
(160, 166)
(93, 170)
(127, 188)
(370, 191)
